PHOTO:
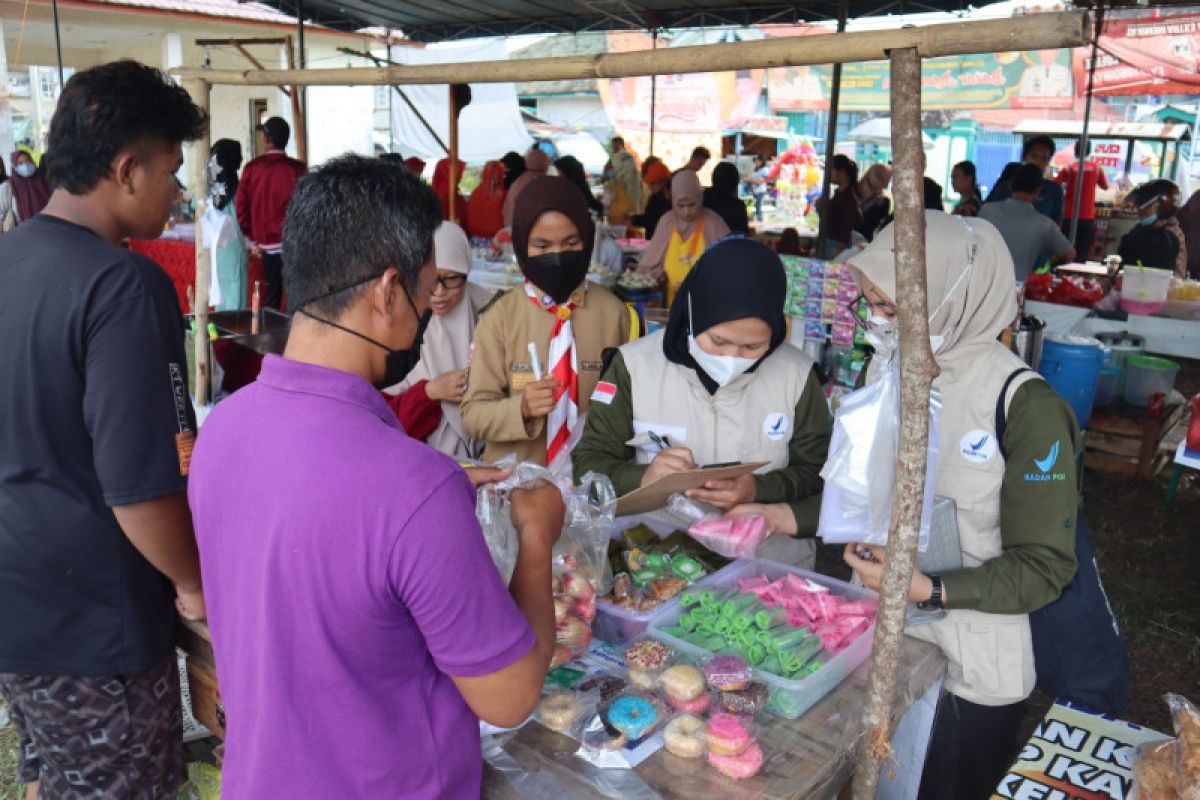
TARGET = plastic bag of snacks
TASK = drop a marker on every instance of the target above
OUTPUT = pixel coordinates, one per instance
(733, 535)
(494, 514)
(1170, 769)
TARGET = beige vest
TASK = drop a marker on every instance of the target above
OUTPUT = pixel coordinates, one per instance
(990, 655)
(751, 419)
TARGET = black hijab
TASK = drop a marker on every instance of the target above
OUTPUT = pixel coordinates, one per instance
(543, 194)
(734, 279)
(514, 165)
(570, 168)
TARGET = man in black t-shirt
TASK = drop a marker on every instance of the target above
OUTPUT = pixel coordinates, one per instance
(96, 542)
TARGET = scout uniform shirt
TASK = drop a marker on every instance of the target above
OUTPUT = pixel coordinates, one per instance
(499, 368)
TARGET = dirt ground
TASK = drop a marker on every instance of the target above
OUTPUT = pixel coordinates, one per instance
(1149, 557)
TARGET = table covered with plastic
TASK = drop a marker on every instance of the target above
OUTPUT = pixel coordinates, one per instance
(810, 757)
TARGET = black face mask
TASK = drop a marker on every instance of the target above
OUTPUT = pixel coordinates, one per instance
(557, 274)
(398, 363)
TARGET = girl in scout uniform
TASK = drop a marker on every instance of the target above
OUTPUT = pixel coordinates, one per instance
(568, 321)
(682, 234)
(1017, 497)
(719, 384)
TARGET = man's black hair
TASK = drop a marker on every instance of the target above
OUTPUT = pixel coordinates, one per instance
(1037, 141)
(105, 109)
(617, 140)
(1079, 145)
(966, 168)
(350, 220)
(702, 152)
(1027, 178)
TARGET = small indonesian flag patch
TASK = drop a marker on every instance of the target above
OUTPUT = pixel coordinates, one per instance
(604, 393)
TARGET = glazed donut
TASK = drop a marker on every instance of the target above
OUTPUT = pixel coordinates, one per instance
(558, 711)
(727, 673)
(684, 736)
(750, 700)
(632, 716)
(748, 763)
(697, 705)
(682, 682)
(726, 735)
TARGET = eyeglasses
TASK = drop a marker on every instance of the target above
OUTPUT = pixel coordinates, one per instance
(860, 314)
(450, 282)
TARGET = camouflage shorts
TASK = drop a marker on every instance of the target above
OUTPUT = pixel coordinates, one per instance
(113, 737)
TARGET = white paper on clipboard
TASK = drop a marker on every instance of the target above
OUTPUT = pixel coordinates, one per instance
(654, 496)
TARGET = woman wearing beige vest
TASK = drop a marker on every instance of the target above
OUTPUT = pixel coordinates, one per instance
(1017, 498)
(719, 384)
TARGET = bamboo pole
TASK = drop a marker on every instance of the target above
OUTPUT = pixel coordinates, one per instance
(452, 200)
(1084, 144)
(198, 154)
(296, 95)
(835, 98)
(1031, 32)
(917, 371)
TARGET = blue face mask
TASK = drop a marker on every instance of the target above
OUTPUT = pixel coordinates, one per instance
(1150, 220)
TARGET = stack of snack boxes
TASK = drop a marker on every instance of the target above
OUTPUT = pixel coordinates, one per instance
(819, 297)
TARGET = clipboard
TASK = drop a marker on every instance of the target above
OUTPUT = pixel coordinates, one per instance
(653, 497)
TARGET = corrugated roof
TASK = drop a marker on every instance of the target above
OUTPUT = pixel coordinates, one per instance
(435, 20)
(229, 9)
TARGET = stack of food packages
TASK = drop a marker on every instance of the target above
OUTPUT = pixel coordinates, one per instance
(697, 711)
(1184, 289)
(705, 707)
(1170, 770)
(650, 577)
(820, 294)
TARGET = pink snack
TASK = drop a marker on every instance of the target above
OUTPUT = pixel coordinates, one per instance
(828, 605)
(858, 608)
(799, 585)
(741, 766)
(697, 705)
(746, 585)
(726, 735)
(727, 673)
(809, 605)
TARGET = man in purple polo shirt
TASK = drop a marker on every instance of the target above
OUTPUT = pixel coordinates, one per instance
(360, 627)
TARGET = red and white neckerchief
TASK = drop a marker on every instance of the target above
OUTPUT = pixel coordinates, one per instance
(563, 367)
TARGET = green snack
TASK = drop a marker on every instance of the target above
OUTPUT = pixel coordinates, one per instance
(722, 626)
(743, 623)
(686, 567)
(655, 561)
(797, 636)
(687, 622)
(708, 600)
(771, 664)
(741, 603)
(757, 654)
(643, 576)
(770, 618)
(563, 677)
(715, 643)
(807, 650)
(678, 632)
(805, 670)
(688, 599)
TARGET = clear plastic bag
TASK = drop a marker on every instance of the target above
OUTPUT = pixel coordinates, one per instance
(1187, 747)
(494, 514)
(860, 472)
(733, 535)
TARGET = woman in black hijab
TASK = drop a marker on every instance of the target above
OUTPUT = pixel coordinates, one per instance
(722, 197)
(569, 167)
(719, 384)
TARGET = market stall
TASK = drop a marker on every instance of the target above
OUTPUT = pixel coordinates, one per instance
(868, 742)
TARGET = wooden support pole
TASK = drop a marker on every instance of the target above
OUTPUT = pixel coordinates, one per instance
(257, 64)
(198, 154)
(917, 371)
(835, 98)
(297, 109)
(1084, 144)
(1031, 32)
(452, 200)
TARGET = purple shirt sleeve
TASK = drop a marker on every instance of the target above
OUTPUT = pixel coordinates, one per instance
(442, 572)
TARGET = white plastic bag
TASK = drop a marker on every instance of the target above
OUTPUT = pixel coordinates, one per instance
(861, 469)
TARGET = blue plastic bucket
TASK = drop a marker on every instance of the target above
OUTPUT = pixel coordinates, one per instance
(1072, 364)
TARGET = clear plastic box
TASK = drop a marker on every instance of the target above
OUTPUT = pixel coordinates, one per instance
(789, 699)
(618, 625)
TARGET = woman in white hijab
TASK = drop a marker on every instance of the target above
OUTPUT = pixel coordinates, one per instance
(1007, 457)
(442, 370)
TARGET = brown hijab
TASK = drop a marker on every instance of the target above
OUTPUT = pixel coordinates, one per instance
(685, 185)
(543, 194)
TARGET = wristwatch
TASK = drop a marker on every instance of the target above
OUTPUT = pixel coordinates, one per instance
(935, 597)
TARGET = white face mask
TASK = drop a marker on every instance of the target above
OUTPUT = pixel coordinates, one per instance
(724, 370)
(26, 170)
(214, 170)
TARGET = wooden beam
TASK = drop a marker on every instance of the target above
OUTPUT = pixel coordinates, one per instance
(198, 154)
(297, 108)
(1030, 32)
(257, 64)
(223, 42)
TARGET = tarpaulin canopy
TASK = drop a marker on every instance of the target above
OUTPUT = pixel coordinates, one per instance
(456, 20)
(489, 127)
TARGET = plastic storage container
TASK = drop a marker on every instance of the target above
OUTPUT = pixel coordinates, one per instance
(1144, 291)
(1145, 375)
(618, 625)
(1108, 388)
(1122, 344)
(1072, 364)
(789, 699)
